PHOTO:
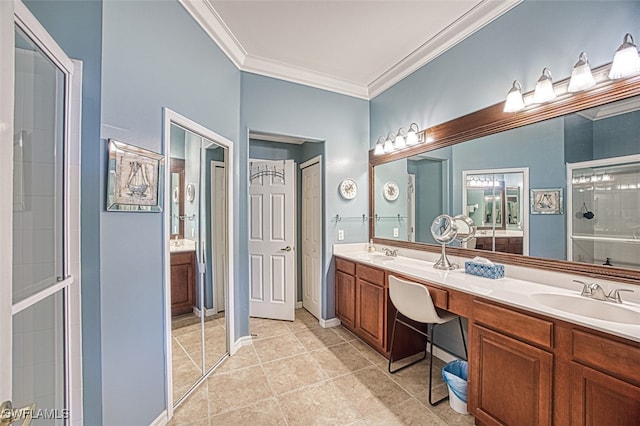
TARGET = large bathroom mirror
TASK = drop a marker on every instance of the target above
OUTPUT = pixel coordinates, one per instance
(198, 256)
(462, 174)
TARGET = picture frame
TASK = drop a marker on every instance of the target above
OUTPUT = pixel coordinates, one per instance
(134, 179)
(546, 201)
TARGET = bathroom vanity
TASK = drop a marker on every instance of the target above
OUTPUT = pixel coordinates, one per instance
(183, 277)
(529, 364)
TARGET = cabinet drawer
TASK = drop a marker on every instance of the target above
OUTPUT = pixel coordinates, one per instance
(440, 297)
(374, 276)
(182, 258)
(345, 266)
(607, 355)
(525, 327)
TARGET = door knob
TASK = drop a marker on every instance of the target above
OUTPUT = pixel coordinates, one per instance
(287, 248)
(9, 415)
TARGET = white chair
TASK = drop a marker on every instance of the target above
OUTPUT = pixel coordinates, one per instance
(413, 301)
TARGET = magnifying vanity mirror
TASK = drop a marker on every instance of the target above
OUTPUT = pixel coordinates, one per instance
(486, 165)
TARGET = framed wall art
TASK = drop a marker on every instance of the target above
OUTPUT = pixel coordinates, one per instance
(546, 201)
(134, 182)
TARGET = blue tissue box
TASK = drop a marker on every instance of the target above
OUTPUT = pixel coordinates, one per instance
(494, 271)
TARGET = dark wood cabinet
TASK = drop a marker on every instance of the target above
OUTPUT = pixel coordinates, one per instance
(511, 380)
(346, 298)
(370, 305)
(503, 244)
(183, 282)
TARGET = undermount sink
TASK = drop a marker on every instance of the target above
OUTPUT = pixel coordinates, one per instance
(374, 257)
(588, 308)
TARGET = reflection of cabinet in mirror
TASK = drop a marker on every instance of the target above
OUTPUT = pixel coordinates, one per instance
(177, 198)
(183, 282)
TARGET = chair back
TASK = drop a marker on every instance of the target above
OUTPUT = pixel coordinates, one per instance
(413, 300)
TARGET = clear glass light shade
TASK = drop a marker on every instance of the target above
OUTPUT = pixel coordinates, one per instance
(544, 88)
(514, 100)
(581, 77)
(626, 61)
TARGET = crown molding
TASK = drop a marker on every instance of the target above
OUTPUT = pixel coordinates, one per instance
(212, 23)
(478, 17)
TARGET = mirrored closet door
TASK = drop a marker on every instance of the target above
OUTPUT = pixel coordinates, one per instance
(198, 253)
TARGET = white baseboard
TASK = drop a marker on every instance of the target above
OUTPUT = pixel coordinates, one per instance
(161, 420)
(333, 322)
(243, 341)
(298, 305)
(207, 312)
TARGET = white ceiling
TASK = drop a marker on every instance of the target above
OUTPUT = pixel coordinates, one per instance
(356, 47)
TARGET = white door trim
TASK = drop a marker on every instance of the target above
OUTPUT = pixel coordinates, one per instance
(171, 116)
(218, 294)
(317, 160)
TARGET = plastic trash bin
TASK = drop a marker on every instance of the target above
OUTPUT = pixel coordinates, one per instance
(455, 375)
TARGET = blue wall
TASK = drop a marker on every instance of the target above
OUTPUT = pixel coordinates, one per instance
(145, 68)
(279, 107)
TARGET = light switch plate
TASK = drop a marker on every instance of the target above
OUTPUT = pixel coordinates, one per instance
(340, 234)
(395, 232)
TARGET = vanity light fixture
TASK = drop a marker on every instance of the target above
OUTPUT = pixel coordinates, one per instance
(379, 146)
(514, 102)
(626, 61)
(544, 88)
(581, 77)
(400, 141)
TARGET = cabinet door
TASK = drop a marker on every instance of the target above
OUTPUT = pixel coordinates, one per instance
(370, 312)
(600, 399)
(510, 382)
(182, 283)
(346, 298)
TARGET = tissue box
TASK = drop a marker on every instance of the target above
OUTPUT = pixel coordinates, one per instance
(494, 271)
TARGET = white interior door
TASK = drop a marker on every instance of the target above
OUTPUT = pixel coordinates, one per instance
(218, 231)
(312, 237)
(40, 354)
(271, 239)
(411, 206)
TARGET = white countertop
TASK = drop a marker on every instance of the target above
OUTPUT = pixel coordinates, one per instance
(508, 290)
(184, 245)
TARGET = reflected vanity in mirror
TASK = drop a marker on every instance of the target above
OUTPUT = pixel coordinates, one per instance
(485, 164)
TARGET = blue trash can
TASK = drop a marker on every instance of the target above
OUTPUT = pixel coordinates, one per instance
(455, 375)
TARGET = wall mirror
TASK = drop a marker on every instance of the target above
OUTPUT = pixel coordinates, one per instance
(540, 142)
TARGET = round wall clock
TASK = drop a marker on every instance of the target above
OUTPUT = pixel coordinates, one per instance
(391, 191)
(191, 192)
(348, 189)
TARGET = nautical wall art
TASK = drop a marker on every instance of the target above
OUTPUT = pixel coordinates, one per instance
(134, 181)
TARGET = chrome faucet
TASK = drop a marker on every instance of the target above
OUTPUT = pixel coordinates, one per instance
(594, 291)
(389, 252)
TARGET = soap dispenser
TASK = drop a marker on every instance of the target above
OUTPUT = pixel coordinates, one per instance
(371, 247)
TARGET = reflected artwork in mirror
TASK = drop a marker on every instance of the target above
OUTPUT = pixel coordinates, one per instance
(449, 176)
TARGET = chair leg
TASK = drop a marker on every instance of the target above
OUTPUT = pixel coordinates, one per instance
(393, 335)
(433, 403)
(464, 342)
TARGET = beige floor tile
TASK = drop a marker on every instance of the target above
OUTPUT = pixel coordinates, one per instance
(194, 411)
(370, 390)
(344, 333)
(292, 373)
(263, 413)
(340, 359)
(278, 347)
(318, 338)
(410, 412)
(415, 379)
(245, 357)
(450, 417)
(368, 352)
(304, 321)
(237, 389)
(261, 328)
(321, 404)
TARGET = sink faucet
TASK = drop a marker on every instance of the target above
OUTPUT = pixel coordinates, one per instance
(389, 252)
(594, 291)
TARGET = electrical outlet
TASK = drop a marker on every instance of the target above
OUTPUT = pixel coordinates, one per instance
(340, 234)
(395, 232)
